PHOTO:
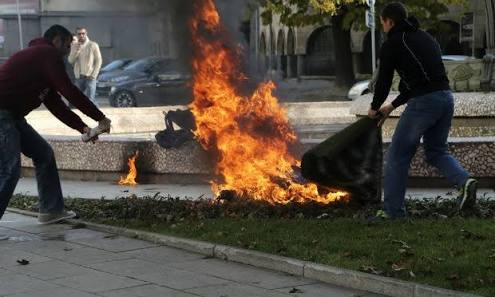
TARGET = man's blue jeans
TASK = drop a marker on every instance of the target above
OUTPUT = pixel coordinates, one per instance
(88, 87)
(428, 116)
(17, 136)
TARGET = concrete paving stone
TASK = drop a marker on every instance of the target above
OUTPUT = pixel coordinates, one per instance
(320, 290)
(236, 290)
(158, 274)
(163, 255)
(114, 243)
(83, 233)
(4, 271)
(12, 283)
(129, 267)
(87, 255)
(30, 224)
(10, 255)
(16, 237)
(146, 291)
(181, 280)
(47, 231)
(14, 217)
(242, 273)
(97, 282)
(47, 248)
(51, 270)
(56, 292)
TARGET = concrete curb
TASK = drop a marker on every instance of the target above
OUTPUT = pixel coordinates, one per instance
(324, 273)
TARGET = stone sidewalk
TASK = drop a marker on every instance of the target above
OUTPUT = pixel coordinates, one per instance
(64, 261)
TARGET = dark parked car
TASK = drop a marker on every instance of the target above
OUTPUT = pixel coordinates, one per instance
(151, 82)
(107, 73)
(115, 65)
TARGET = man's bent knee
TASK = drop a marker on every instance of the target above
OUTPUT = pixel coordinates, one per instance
(44, 156)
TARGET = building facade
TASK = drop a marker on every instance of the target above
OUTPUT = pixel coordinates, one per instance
(309, 51)
(122, 28)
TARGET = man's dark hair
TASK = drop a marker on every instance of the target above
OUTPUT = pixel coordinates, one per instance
(395, 11)
(57, 30)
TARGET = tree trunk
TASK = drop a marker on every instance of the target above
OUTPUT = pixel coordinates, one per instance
(490, 33)
(344, 69)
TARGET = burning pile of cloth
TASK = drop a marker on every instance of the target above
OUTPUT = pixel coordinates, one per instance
(170, 137)
(350, 160)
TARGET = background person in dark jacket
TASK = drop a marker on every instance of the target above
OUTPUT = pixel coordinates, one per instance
(424, 86)
(29, 78)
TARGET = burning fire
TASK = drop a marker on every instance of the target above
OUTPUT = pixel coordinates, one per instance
(130, 179)
(251, 135)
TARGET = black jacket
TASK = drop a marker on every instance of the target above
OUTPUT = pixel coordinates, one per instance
(417, 58)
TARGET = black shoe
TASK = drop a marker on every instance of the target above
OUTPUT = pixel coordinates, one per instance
(467, 194)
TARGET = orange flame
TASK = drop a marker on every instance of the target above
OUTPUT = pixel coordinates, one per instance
(130, 179)
(251, 135)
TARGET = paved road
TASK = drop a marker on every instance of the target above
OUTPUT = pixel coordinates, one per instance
(84, 263)
(96, 190)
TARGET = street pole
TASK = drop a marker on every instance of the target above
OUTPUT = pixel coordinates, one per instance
(21, 41)
(370, 23)
(373, 39)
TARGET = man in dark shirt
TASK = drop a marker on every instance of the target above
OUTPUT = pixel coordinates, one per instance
(424, 86)
(29, 78)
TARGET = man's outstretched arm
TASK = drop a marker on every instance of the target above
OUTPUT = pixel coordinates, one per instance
(385, 77)
(61, 111)
(55, 74)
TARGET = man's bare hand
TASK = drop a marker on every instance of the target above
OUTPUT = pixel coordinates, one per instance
(76, 46)
(385, 113)
(86, 136)
(372, 113)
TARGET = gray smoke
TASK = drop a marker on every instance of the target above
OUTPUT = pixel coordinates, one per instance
(232, 13)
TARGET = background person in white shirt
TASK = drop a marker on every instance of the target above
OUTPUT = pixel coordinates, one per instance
(85, 56)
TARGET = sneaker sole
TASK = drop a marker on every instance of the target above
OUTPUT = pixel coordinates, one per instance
(469, 196)
(58, 219)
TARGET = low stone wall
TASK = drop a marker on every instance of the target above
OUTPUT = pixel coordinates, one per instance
(111, 154)
(474, 114)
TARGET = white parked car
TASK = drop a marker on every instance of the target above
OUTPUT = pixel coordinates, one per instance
(362, 87)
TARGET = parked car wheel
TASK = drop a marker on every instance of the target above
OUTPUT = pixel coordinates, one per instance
(123, 99)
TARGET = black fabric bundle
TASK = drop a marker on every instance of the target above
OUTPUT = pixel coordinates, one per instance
(171, 138)
(351, 160)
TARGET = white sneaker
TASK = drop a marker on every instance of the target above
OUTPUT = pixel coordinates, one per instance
(4, 237)
(51, 218)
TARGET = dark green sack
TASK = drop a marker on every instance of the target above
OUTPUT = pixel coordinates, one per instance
(350, 160)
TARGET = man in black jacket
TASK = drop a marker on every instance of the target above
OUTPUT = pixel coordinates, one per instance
(424, 86)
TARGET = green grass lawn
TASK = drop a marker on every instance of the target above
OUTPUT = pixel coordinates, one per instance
(434, 247)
